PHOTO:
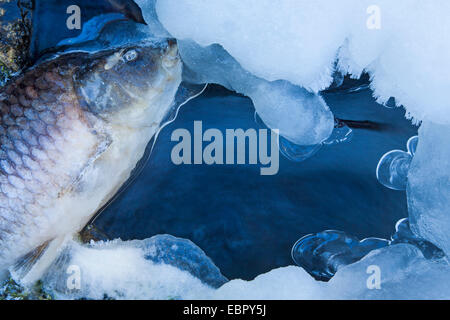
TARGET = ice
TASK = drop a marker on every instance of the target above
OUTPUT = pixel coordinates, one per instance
(122, 270)
(265, 36)
(299, 41)
(412, 145)
(405, 235)
(392, 170)
(295, 152)
(92, 29)
(429, 186)
(322, 254)
(154, 26)
(404, 274)
(341, 133)
(301, 116)
(184, 255)
(299, 153)
(162, 267)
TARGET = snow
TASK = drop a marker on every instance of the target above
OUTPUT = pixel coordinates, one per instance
(121, 270)
(162, 267)
(299, 41)
(265, 36)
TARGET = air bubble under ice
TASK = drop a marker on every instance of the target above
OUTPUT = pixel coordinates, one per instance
(393, 168)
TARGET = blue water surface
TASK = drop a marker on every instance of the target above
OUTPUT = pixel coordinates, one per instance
(247, 223)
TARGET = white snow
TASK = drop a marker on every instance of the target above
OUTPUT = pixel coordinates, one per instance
(299, 40)
(118, 270)
(122, 270)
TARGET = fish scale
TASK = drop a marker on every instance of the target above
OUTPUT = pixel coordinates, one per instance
(28, 149)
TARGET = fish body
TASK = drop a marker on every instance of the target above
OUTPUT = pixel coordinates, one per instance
(72, 131)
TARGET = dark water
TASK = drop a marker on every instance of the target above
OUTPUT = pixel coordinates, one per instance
(247, 223)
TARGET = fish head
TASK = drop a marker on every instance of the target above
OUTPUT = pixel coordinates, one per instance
(127, 85)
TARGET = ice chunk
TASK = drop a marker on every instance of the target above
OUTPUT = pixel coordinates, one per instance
(184, 255)
(341, 133)
(290, 283)
(302, 117)
(429, 186)
(299, 153)
(322, 254)
(299, 41)
(162, 267)
(120, 270)
(403, 271)
(154, 26)
(93, 28)
(405, 235)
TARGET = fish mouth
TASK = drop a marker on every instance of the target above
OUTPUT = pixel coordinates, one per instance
(171, 57)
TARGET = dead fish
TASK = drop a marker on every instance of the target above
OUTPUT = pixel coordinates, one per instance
(72, 131)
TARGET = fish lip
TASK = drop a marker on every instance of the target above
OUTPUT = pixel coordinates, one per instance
(172, 51)
(171, 55)
(172, 42)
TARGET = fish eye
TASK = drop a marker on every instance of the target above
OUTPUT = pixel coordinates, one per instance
(130, 56)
